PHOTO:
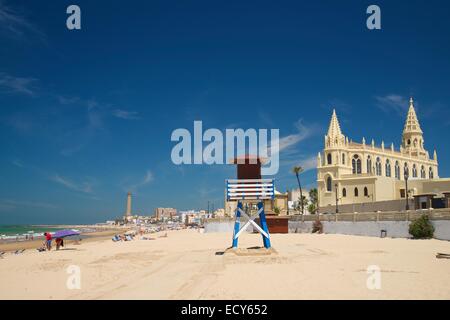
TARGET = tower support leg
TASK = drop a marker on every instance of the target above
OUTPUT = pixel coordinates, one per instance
(237, 224)
(262, 219)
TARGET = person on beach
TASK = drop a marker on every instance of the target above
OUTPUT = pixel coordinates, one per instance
(48, 240)
(59, 243)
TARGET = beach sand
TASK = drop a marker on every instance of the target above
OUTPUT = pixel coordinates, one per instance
(189, 265)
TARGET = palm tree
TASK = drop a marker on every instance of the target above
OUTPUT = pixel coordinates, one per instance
(297, 170)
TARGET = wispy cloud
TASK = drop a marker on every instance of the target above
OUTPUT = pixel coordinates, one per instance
(16, 25)
(302, 132)
(148, 177)
(9, 204)
(21, 85)
(127, 115)
(84, 187)
(392, 102)
(17, 163)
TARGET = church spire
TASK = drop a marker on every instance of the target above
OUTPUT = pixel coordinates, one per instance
(334, 137)
(412, 142)
(334, 130)
(412, 124)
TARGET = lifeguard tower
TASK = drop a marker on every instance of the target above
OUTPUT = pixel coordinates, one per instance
(250, 189)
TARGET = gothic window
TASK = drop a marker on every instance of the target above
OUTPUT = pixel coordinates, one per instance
(415, 142)
(378, 166)
(366, 192)
(406, 169)
(329, 158)
(329, 184)
(388, 168)
(343, 158)
(414, 171)
(369, 164)
(397, 170)
(430, 173)
(344, 192)
(356, 164)
(356, 192)
(422, 172)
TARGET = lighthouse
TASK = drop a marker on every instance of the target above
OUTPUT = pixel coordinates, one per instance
(128, 212)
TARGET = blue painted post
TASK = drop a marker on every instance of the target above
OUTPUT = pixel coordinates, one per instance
(236, 223)
(262, 219)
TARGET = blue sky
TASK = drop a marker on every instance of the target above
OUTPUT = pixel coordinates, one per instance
(87, 115)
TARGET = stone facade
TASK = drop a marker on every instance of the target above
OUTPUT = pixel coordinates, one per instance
(357, 173)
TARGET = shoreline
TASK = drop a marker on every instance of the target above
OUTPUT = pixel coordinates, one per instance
(9, 246)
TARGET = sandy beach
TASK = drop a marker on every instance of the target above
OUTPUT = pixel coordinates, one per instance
(186, 265)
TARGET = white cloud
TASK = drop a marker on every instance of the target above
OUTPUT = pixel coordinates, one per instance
(126, 115)
(148, 177)
(303, 132)
(16, 26)
(85, 187)
(9, 204)
(17, 84)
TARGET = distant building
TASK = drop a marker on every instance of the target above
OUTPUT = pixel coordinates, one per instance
(294, 197)
(165, 213)
(364, 177)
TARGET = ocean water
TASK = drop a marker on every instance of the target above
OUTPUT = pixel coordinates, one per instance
(10, 232)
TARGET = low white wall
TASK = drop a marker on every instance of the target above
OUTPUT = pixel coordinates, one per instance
(394, 229)
(219, 226)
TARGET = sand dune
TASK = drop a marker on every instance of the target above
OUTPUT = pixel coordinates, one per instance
(185, 266)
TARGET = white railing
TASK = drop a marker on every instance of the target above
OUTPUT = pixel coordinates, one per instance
(250, 189)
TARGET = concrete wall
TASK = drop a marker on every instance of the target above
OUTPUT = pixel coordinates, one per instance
(394, 229)
(219, 226)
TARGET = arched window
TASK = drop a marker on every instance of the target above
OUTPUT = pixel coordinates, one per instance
(388, 168)
(366, 192)
(378, 166)
(344, 193)
(329, 184)
(415, 142)
(414, 171)
(356, 164)
(422, 172)
(369, 164)
(343, 158)
(356, 192)
(397, 170)
(430, 173)
(406, 169)
(329, 158)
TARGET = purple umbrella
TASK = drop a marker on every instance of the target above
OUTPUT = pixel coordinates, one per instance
(65, 233)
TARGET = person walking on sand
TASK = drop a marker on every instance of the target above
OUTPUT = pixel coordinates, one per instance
(59, 243)
(48, 240)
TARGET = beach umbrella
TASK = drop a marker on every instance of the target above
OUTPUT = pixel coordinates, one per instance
(65, 233)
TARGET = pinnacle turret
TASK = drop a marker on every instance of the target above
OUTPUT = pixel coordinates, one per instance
(412, 124)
